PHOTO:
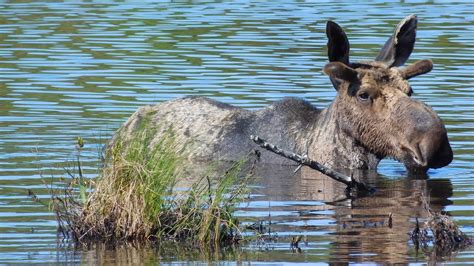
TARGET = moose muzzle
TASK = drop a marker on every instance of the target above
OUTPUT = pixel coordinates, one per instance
(428, 144)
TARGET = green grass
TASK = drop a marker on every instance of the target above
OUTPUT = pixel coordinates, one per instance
(136, 198)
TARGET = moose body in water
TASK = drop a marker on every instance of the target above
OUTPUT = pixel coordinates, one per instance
(372, 117)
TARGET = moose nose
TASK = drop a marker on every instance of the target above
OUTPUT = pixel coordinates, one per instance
(428, 137)
(435, 151)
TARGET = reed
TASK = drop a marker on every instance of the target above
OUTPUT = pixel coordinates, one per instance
(136, 198)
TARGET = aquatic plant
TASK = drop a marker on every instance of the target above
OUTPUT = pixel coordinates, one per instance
(446, 236)
(136, 197)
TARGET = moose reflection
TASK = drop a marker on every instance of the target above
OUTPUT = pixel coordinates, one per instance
(361, 224)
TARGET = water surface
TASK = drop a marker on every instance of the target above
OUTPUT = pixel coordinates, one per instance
(72, 69)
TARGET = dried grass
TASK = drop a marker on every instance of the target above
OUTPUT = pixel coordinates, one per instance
(135, 198)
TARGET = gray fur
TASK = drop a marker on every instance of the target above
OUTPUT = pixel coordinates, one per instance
(210, 130)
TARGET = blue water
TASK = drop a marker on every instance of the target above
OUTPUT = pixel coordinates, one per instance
(81, 69)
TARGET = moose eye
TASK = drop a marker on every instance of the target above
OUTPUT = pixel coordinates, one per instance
(363, 96)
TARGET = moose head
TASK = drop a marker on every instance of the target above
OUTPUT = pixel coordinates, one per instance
(374, 102)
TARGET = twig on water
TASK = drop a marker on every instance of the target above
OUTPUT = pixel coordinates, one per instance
(349, 181)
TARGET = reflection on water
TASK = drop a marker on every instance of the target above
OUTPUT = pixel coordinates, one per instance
(335, 228)
(80, 69)
(360, 226)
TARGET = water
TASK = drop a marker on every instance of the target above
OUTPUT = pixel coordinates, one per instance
(71, 69)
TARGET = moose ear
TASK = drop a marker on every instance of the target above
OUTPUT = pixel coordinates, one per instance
(417, 68)
(338, 45)
(339, 72)
(398, 48)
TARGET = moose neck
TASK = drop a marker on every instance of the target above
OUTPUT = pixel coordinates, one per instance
(329, 144)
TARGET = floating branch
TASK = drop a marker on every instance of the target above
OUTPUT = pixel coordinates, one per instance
(349, 181)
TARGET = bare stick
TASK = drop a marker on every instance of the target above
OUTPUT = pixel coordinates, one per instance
(304, 160)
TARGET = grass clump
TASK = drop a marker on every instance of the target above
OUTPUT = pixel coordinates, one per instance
(136, 198)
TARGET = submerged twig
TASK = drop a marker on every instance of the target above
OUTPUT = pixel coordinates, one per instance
(349, 181)
(447, 237)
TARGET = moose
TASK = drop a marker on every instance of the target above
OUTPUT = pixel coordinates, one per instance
(373, 116)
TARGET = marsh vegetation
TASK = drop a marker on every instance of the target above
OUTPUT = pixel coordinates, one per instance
(135, 198)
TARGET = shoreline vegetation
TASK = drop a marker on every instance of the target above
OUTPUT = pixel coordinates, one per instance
(136, 199)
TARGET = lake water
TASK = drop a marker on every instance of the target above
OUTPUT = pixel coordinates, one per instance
(70, 69)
